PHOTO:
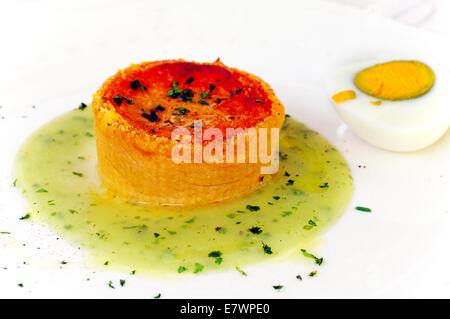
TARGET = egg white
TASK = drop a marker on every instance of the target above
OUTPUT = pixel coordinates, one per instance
(402, 126)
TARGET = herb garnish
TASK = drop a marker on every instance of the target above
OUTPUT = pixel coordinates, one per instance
(122, 282)
(276, 197)
(252, 208)
(198, 268)
(243, 273)
(117, 100)
(203, 102)
(311, 223)
(299, 277)
(42, 190)
(190, 80)
(181, 269)
(127, 99)
(278, 287)
(267, 249)
(325, 185)
(286, 213)
(159, 108)
(290, 182)
(215, 253)
(221, 230)
(204, 95)
(78, 174)
(135, 84)
(15, 182)
(110, 285)
(157, 296)
(236, 92)
(255, 230)
(151, 116)
(5, 233)
(312, 273)
(187, 95)
(175, 91)
(211, 87)
(363, 209)
(181, 111)
(82, 106)
(27, 216)
(259, 101)
(20, 285)
(318, 261)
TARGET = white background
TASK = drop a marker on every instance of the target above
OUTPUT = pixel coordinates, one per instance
(70, 47)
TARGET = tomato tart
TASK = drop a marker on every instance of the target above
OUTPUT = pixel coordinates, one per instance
(137, 110)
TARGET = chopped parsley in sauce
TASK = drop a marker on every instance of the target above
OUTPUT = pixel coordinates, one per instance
(27, 216)
(318, 261)
(290, 182)
(181, 269)
(255, 230)
(243, 273)
(198, 268)
(267, 249)
(252, 208)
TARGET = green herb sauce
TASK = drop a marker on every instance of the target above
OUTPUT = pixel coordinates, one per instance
(285, 215)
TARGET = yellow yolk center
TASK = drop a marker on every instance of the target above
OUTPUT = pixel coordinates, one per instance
(396, 80)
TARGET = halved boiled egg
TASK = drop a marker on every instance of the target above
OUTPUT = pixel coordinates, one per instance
(396, 105)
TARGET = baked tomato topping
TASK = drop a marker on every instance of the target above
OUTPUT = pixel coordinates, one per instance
(158, 98)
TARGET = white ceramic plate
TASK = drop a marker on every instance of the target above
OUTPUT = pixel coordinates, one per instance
(292, 45)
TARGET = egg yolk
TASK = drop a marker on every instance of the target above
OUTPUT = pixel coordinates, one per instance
(344, 96)
(396, 80)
